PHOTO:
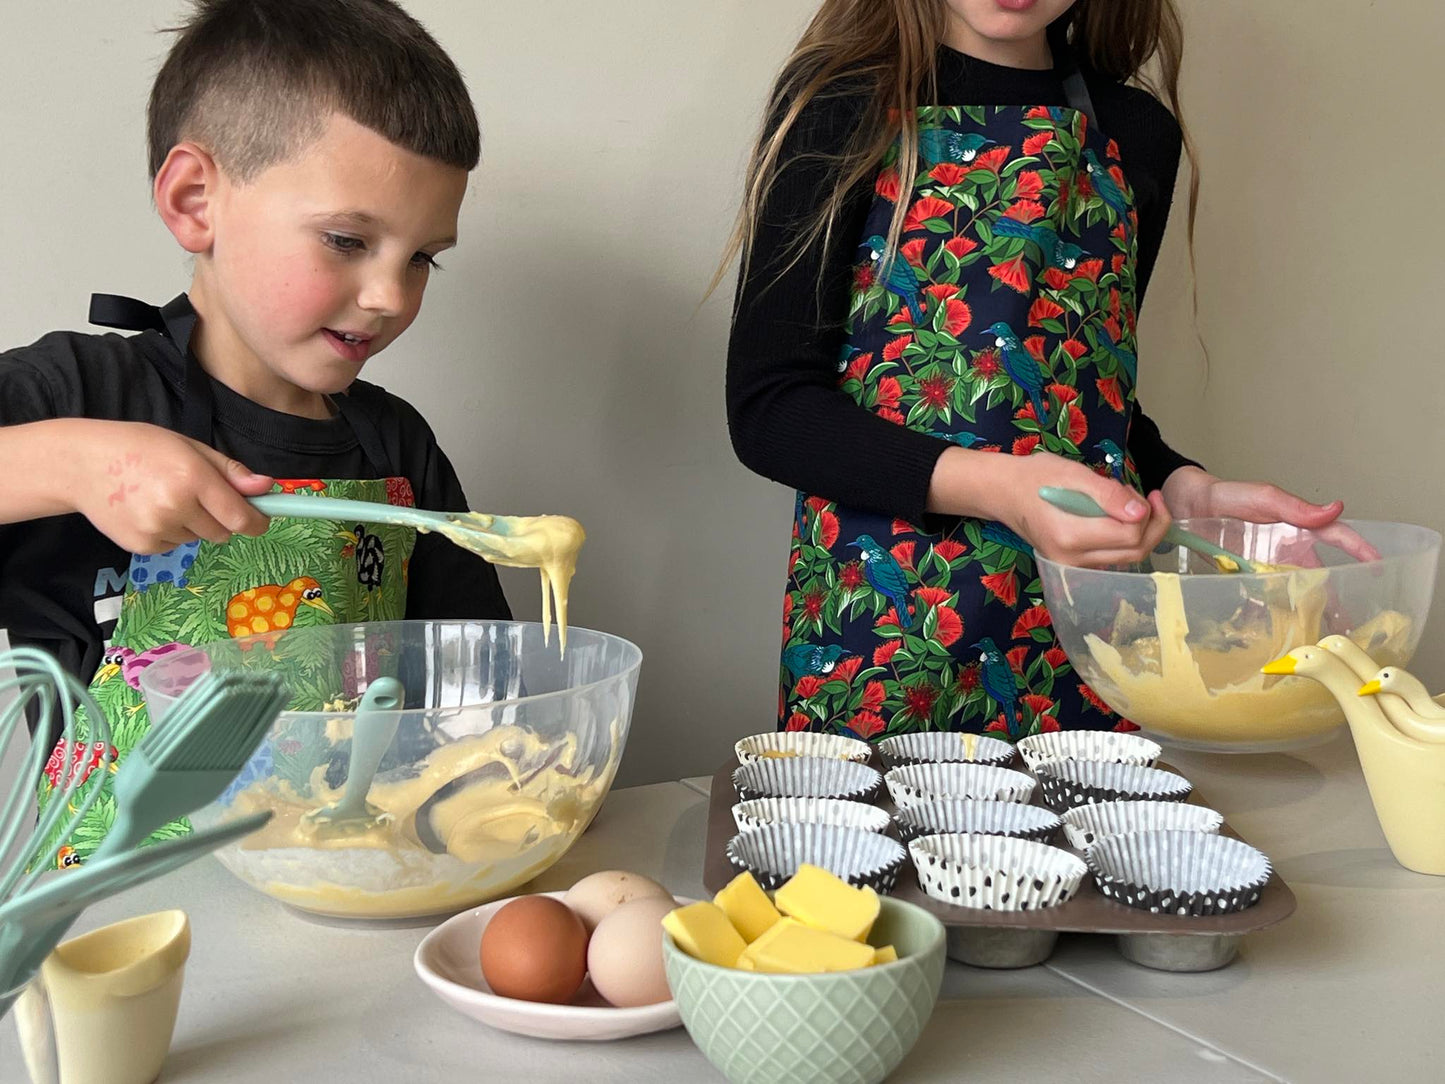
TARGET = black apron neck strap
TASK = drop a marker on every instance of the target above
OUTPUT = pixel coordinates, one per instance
(368, 435)
(177, 322)
(1076, 93)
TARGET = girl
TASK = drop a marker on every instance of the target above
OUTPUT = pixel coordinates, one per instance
(949, 225)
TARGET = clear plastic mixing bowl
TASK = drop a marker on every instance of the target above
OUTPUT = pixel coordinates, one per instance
(500, 759)
(1124, 631)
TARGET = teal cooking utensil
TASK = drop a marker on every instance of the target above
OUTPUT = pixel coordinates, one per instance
(377, 717)
(546, 543)
(29, 847)
(32, 925)
(1081, 504)
(190, 757)
(187, 760)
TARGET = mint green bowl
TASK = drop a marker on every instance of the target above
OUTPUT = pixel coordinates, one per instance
(843, 1026)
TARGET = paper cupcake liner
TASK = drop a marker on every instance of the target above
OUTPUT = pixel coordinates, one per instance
(914, 783)
(1068, 784)
(802, 743)
(995, 873)
(807, 777)
(839, 811)
(1179, 873)
(936, 747)
(1103, 745)
(774, 852)
(975, 816)
(1088, 824)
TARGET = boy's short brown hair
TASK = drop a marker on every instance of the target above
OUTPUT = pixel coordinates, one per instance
(254, 80)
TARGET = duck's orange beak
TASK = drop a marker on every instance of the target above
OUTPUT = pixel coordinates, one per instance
(1280, 666)
(1370, 688)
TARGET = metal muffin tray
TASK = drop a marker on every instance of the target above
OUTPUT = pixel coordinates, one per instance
(1012, 939)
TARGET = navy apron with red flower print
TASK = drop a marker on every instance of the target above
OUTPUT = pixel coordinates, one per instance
(1004, 323)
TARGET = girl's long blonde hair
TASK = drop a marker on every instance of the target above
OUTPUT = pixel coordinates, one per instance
(886, 50)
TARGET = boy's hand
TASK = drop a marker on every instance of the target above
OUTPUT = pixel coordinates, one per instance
(1192, 492)
(150, 490)
(1127, 535)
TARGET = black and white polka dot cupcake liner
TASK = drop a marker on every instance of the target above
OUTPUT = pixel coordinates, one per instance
(1101, 745)
(774, 852)
(914, 783)
(1086, 825)
(938, 747)
(1067, 784)
(1179, 873)
(995, 873)
(807, 777)
(976, 816)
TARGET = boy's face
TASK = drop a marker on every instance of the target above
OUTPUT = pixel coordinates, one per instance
(319, 262)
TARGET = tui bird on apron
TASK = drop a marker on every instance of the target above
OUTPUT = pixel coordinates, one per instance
(1004, 323)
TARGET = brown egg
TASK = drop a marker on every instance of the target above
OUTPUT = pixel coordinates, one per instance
(535, 949)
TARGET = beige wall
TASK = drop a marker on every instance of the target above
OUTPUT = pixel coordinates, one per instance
(566, 366)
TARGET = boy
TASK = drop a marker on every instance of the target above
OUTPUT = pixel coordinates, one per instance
(312, 155)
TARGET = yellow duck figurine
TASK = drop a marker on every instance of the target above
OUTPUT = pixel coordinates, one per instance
(1405, 777)
(1396, 707)
(1407, 687)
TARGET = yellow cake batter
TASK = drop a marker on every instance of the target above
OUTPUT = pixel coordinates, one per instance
(549, 544)
(1204, 685)
(498, 832)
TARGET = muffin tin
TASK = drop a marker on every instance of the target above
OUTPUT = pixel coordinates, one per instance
(1008, 939)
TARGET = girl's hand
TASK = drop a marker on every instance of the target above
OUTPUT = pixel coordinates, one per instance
(1127, 535)
(1194, 493)
(150, 490)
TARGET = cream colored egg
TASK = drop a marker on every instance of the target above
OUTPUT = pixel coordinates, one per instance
(624, 957)
(598, 895)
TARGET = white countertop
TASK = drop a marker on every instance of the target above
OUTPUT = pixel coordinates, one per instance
(1343, 990)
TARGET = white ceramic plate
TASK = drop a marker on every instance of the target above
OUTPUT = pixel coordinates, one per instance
(447, 960)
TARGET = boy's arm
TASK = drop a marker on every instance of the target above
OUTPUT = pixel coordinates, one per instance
(144, 487)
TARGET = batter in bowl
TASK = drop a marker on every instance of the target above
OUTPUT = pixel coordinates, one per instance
(1210, 689)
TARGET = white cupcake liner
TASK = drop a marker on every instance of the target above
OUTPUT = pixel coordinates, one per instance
(995, 873)
(803, 743)
(840, 811)
(1070, 783)
(1104, 745)
(940, 747)
(1086, 825)
(1179, 873)
(807, 777)
(914, 783)
(976, 816)
(774, 852)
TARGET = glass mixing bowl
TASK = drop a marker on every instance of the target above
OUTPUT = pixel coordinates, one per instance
(1180, 654)
(501, 757)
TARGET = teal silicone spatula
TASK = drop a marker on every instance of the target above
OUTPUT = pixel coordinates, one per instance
(1081, 504)
(377, 717)
(33, 923)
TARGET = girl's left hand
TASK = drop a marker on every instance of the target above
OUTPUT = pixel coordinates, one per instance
(1192, 492)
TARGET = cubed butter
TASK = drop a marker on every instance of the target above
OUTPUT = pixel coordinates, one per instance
(703, 930)
(819, 898)
(885, 955)
(747, 906)
(792, 948)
